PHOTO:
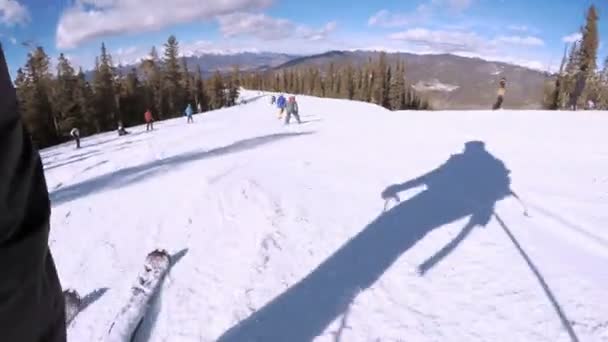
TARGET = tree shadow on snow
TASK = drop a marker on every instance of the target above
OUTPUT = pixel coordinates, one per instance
(468, 184)
(138, 173)
(143, 332)
(72, 159)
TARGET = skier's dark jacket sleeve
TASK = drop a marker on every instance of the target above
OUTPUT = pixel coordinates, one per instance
(31, 300)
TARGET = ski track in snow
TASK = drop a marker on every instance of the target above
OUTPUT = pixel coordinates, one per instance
(257, 212)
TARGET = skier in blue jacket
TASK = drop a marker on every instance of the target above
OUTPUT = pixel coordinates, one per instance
(189, 113)
(281, 104)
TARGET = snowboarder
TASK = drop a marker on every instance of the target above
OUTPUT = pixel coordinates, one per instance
(149, 120)
(31, 300)
(188, 113)
(501, 94)
(75, 133)
(281, 103)
(292, 109)
(273, 99)
(121, 129)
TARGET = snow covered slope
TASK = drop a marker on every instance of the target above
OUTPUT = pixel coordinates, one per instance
(281, 234)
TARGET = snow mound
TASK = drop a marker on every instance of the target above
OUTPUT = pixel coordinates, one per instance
(280, 233)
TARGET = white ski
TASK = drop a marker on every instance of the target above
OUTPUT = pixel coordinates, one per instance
(148, 281)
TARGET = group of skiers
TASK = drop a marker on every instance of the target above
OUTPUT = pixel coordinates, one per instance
(287, 106)
(148, 118)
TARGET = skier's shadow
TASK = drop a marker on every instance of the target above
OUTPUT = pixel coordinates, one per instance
(468, 184)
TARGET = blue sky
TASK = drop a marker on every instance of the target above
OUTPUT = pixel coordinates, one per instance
(526, 32)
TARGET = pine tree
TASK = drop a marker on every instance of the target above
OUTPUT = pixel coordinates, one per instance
(153, 80)
(68, 113)
(201, 97)
(22, 87)
(589, 42)
(103, 85)
(83, 96)
(602, 102)
(397, 89)
(187, 84)
(331, 80)
(37, 111)
(382, 83)
(132, 99)
(349, 88)
(234, 85)
(218, 91)
(173, 78)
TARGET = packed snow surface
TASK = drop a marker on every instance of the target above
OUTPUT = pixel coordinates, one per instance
(280, 233)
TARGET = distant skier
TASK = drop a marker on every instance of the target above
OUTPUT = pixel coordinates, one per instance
(199, 108)
(121, 129)
(75, 133)
(281, 103)
(292, 109)
(273, 99)
(149, 120)
(188, 112)
(31, 300)
(501, 94)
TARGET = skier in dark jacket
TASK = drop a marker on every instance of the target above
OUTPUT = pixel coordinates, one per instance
(292, 109)
(75, 133)
(31, 301)
(501, 94)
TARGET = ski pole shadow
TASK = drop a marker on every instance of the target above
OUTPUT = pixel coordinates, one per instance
(143, 332)
(468, 184)
(93, 297)
(541, 280)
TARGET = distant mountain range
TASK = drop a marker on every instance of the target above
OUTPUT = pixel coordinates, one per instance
(448, 81)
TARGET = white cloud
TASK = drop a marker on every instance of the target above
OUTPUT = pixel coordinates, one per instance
(268, 28)
(518, 28)
(257, 25)
(571, 38)
(12, 12)
(384, 18)
(13, 40)
(517, 40)
(442, 41)
(129, 55)
(423, 12)
(90, 19)
(316, 35)
(458, 5)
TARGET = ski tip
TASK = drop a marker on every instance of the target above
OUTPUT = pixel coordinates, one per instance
(160, 253)
(72, 296)
(71, 292)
